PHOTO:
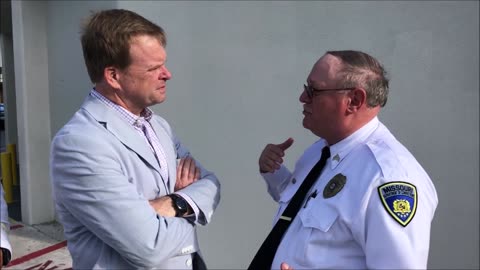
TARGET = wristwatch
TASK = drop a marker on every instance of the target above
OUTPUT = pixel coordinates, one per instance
(179, 204)
(6, 256)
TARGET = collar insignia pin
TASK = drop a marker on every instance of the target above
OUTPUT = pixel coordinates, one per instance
(334, 186)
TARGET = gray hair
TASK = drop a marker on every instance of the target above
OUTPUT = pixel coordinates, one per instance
(362, 70)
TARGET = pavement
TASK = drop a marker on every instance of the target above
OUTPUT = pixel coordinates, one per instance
(38, 247)
(35, 247)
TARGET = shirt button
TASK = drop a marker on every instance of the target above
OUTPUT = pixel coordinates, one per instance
(294, 181)
(188, 262)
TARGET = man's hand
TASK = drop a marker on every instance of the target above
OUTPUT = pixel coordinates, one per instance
(1, 259)
(187, 173)
(163, 206)
(272, 156)
(285, 266)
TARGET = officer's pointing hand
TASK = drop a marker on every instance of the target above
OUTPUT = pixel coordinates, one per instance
(272, 156)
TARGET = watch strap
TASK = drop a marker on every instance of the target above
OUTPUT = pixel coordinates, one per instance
(6, 255)
(176, 199)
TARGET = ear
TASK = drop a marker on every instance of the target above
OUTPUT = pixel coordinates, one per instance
(111, 76)
(356, 100)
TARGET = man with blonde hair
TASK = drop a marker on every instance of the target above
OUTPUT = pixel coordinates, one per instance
(123, 201)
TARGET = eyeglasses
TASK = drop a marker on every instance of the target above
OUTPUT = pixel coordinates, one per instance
(311, 91)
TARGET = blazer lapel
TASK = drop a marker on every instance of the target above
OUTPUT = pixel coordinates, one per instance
(120, 129)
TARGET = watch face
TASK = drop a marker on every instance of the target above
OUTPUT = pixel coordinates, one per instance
(181, 205)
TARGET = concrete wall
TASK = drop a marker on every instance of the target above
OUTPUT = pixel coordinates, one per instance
(68, 75)
(30, 57)
(238, 69)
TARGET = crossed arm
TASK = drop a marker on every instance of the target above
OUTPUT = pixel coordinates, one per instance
(187, 173)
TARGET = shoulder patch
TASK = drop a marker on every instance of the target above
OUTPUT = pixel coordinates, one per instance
(400, 200)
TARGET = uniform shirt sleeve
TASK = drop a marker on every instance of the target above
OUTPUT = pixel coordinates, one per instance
(387, 243)
(277, 181)
(4, 243)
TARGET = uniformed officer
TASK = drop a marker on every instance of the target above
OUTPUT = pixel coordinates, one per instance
(373, 204)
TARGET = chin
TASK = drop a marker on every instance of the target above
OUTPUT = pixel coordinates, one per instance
(160, 98)
(153, 102)
(305, 123)
(309, 126)
(158, 101)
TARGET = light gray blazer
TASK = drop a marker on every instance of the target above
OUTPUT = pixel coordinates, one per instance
(103, 174)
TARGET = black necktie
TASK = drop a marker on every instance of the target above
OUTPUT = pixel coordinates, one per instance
(264, 258)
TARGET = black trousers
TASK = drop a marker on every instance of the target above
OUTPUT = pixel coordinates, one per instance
(198, 263)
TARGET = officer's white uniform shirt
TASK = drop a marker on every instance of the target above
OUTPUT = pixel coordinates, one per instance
(355, 229)
(4, 224)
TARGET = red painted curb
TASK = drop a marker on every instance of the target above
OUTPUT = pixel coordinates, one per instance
(16, 226)
(37, 253)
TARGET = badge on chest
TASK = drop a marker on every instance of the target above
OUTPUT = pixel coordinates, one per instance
(334, 186)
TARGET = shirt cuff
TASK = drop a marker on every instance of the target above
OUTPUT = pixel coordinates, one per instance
(277, 181)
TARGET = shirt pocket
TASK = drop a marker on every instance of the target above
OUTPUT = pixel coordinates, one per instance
(318, 215)
(316, 233)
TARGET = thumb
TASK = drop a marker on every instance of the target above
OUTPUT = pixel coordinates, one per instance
(286, 144)
(285, 266)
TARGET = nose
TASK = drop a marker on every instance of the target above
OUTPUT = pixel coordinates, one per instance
(165, 74)
(304, 97)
